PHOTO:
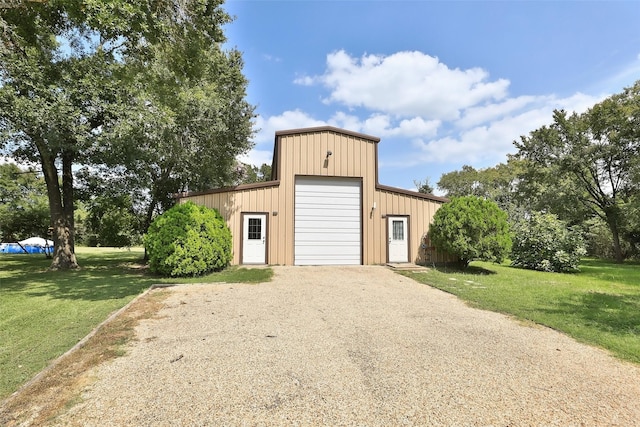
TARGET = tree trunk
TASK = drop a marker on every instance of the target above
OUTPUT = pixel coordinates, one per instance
(149, 215)
(61, 210)
(617, 250)
(612, 215)
(147, 222)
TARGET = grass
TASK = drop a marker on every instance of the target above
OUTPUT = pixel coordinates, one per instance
(44, 313)
(600, 305)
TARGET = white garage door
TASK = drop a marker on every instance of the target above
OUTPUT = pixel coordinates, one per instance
(327, 221)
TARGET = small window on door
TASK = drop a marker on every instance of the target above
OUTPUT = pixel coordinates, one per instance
(255, 229)
(398, 230)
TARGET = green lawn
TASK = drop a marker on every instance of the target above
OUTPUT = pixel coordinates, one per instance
(43, 313)
(600, 305)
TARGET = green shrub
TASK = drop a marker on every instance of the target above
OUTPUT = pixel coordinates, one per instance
(188, 240)
(544, 243)
(471, 228)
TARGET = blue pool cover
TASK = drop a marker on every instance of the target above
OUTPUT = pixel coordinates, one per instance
(14, 248)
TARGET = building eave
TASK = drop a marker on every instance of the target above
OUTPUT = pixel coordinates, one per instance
(326, 129)
(241, 187)
(425, 196)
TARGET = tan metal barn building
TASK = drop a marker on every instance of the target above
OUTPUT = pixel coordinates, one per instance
(324, 206)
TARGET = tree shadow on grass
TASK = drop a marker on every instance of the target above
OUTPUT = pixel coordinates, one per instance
(607, 271)
(611, 313)
(92, 286)
(100, 277)
(471, 270)
(16, 271)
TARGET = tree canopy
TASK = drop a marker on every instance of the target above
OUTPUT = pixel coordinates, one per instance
(423, 186)
(23, 204)
(498, 183)
(141, 92)
(597, 152)
(584, 168)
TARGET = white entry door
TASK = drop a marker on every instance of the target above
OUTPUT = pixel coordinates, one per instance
(254, 236)
(398, 240)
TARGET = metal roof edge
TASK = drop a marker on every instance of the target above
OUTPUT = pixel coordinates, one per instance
(326, 129)
(240, 187)
(402, 191)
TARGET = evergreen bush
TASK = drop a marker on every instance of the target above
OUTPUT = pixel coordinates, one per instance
(188, 240)
(471, 228)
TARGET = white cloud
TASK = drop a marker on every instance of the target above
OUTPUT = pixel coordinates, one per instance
(435, 114)
(257, 157)
(346, 121)
(304, 81)
(271, 58)
(382, 125)
(484, 113)
(493, 139)
(626, 76)
(406, 84)
(417, 126)
(295, 119)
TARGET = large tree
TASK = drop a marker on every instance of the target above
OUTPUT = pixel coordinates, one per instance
(597, 151)
(185, 123)
(73, 71)
(501, 183)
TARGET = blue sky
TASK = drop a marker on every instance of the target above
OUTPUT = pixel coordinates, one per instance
(442, 84)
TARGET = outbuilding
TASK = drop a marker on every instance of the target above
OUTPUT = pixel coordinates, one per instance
(325, 206)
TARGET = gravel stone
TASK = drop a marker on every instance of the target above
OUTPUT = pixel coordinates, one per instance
(350, 346)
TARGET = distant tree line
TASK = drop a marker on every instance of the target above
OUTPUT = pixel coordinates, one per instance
(582, 168)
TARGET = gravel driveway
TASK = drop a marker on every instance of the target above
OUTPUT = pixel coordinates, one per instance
(351, 346)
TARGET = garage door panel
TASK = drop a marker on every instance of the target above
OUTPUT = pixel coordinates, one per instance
(341, 215)
(328, 226)
(327, 221)
(327, 191)
(327, 237)
(312, 202)
(328, 261)
(327, 185)
(320, 250)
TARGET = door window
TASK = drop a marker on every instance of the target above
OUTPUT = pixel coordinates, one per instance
(398, 230)
(255, 229)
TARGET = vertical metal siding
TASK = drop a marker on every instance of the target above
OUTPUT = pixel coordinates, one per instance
(420, 214)
(231, 204)
(304, 154)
